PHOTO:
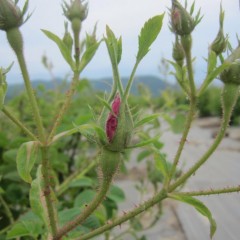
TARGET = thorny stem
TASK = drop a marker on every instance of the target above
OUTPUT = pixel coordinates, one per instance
(210, 192)
(143, 207)
(192, 109)
(19, 123)
(65, 106)
(7, 210)
(86, 212)
(225, 121)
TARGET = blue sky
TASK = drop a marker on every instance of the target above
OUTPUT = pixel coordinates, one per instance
(125, 17)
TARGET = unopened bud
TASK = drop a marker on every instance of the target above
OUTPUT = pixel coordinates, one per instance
(232, 73)
(10, 15)
(178, 52)
(76, 10)
(220, 42)
(182, 22)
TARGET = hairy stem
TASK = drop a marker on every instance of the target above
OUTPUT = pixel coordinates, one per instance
(143, 207)
(86, 212)
(186, 42)
(31, 96)
(47, 191)
(210, 191)
(19, 123)
(64, 107)
(229, 101)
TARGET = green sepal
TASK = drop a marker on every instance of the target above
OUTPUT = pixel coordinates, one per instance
(145, 143)
(146, 119)
(26, 157)
(200, 207)
(148, 35)
(65, 51)
(88, 55)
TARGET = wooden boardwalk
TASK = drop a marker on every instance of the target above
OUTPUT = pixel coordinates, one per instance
(222, 169)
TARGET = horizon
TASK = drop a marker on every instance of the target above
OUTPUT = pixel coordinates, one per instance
(125, 20)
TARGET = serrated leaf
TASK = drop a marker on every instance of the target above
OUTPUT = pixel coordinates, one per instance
(114, 46)
(88, 55)
(200, 207)
(26, 157)
(146, 119)
(66, 53)
(148, 34)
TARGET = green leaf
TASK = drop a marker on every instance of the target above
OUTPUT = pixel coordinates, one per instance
(146, 119)
(178, 123)
(200, 207)
(37, 199)
(66, 53)
(114, 46)
(143, 155)
(84, 197)
(212, 75)
(28, 225)
(116, 194)
(82, 182)
(88, 55)
(26, 157)
(148, 34)
(161, 163)
(105, 103)
(212, 61)
(144, 143)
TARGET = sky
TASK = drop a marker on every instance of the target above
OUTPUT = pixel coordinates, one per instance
(125, 18)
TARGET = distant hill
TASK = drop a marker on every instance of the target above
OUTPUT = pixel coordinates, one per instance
(155, 84)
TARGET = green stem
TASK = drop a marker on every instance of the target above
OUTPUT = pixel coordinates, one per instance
(86, 212)
(16, 42)
(186, 130)
(130, 82)
(210, 192)
(143, 207)
(76, 175)
(229, 98)
(65, 106)
(7, 210)
(47, 191)
(19, 123)
(187, 44)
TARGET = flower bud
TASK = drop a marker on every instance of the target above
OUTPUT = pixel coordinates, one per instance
(76, 10)
(220, 42)
(232, 73)
(118, 126)
(10, 15)
(178, 52)
(182, 22)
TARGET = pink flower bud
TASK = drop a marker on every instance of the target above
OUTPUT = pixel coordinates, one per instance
(112, 120)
